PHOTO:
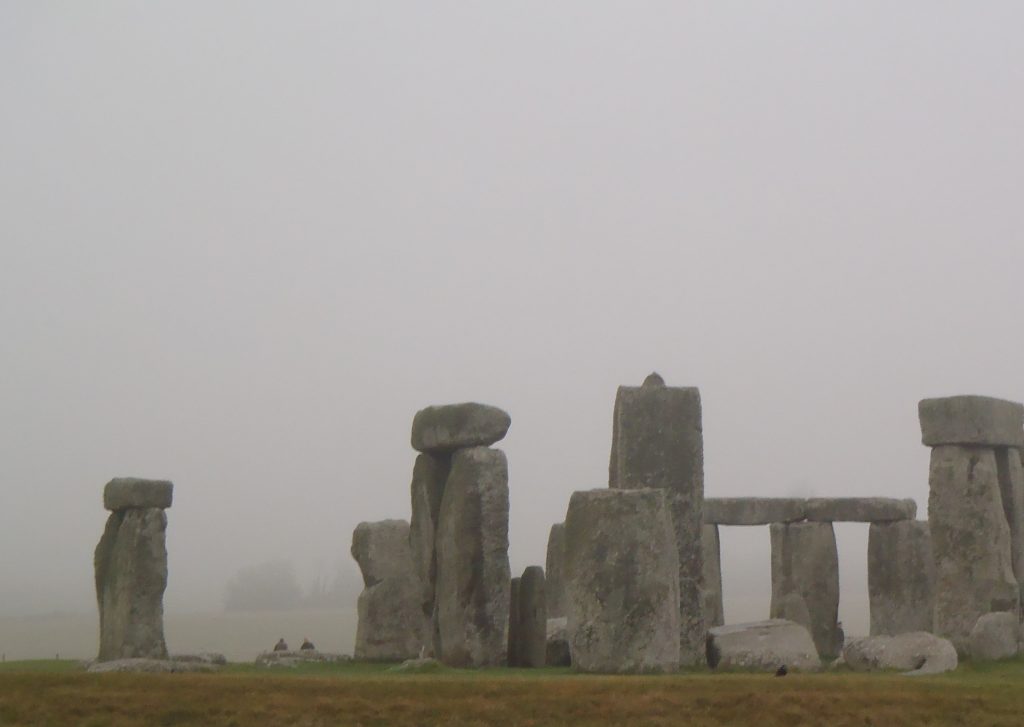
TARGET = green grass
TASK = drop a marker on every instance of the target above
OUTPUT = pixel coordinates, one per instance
(60, 693)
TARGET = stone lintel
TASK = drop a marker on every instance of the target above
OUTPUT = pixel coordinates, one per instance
(971, 421)
(122, 493)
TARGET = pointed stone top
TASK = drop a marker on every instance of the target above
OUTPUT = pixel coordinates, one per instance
(654, 379)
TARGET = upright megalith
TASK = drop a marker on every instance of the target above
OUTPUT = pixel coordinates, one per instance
(472, 588)
(658, 442)
(622, 585)
(554, 567)
(512, 651)
(974, 509)
(391, 620)
(428, 477)
(714, 613)
(131, 569)
(533, 619)
(901, 577)
(805, 581)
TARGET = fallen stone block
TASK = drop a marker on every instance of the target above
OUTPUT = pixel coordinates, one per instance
(152, 666)
(916, 654)
(762, 646)
(995, 636)
(754, 510)
(971, 420)
(444, 429)
(860, 509)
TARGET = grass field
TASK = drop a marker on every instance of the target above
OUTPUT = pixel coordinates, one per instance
(59, 693)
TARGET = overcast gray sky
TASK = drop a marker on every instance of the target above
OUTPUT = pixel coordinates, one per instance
(241, 243)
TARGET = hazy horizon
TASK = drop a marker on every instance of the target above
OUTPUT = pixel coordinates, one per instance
(243, 243)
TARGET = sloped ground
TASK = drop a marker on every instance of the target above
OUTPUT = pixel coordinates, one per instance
(58, 693)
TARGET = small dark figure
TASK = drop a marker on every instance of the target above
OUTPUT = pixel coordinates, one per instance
(781, 671)
(307, 645)
(281, 645)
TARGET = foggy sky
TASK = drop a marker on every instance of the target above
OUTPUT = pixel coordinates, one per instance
(241, 243)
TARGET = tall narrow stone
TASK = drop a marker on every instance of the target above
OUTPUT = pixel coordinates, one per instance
(131, 570)
(622, 586)
(428, 477)
(554, 584)
(472, 589)
(805, 581)
(533, 619)
(391, 620)
(714, 613)
(1011, 488)
(658, 442)
(970, 541)
(513, 651)
(901, 577)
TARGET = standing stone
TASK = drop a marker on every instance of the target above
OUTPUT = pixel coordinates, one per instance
(1011, 488)
(472, 590)
(533, 619)
(805, 581)
(622, 586)
(512, 650)
(970, 541)
(428, 477)
(391, 620)
(131, 570)
(995, 636)
(714, 614)
(901, 577)
(658, 442)
(554, 584)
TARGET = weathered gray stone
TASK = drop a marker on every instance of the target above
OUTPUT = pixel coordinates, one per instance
(512, 650)
(714, 614)
(554, 584)
(805, 565)
(293, 659)
(762, 646)
(622, 586)
(971, 420)
(558, 643)
(1011, 488)
(860, 509)
(533, 619)
(122, 493)
(444, 429)
(131, 575)
(658, 442)
(472, 560)
(916, 653)
(970, 541)
(203, 657)
(152, 666)
(424, 665)
(391, 620)
(901, 577)
(995, 636)
(754, 510)
(428, 477)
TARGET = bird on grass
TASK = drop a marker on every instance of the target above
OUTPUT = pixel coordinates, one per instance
(781, 671)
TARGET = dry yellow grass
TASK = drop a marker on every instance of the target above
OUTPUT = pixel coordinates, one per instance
(364, 696)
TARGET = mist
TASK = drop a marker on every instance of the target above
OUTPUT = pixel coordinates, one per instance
(242, 243)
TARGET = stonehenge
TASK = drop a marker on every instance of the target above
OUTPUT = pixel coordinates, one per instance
(975, 490)
(762, 646)
(391, 622)
(714, 611)
(554, 583)
(916, 653)
(527, 627)
(901, 577)
(131, 569)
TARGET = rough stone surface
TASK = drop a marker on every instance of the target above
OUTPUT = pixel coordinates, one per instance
(622, 586)
(901, 577)
(970, 541)
(122, 493)
(558, 653)
(714, 613)
(428, 477)
(971, 420)
(131, 575)
(995, 636)
(204, 657)
(292, 659)
(444, 429)
(152, 666)
(512, 650)
(554, 583)
(658, 442)
(916, 653)
(424, 665)
(391, 621)
(1011, 488)
(762, 646)
(805, 565)
(533, 619)
(860, 509)
(472, 560)
(754, 510)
